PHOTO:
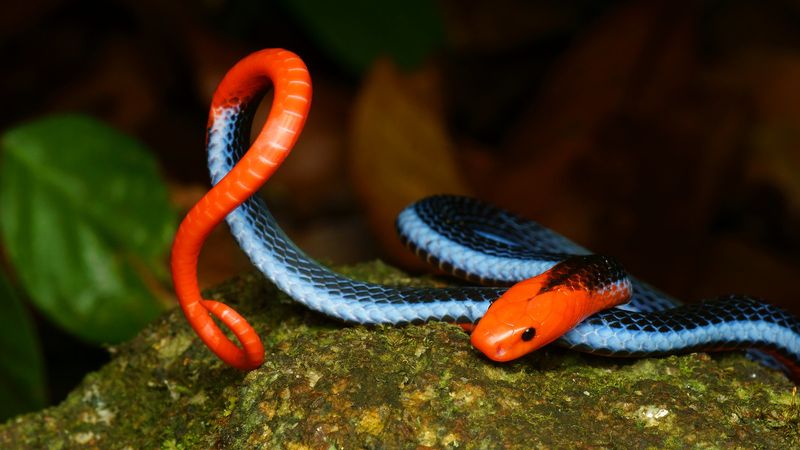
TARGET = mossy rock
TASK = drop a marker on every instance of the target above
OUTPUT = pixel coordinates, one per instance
(330, 385)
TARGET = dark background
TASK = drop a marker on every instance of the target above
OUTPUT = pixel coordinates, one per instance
(667, 136)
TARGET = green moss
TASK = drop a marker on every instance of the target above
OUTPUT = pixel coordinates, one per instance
(330, 385)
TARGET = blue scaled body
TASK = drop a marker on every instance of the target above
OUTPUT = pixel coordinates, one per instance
(484, 244)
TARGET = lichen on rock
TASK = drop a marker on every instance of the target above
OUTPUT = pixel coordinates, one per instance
(326, 384)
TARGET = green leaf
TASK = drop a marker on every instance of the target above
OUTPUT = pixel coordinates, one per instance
(356, 32)
(21, 371)
(86, 223)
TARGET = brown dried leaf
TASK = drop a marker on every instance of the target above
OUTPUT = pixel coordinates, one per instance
(399, 151)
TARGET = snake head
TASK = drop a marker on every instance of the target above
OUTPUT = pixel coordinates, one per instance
(537, 311)
(525, 319)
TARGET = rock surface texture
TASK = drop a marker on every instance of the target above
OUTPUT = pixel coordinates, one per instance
(330, 385)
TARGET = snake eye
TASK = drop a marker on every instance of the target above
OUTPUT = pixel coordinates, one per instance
(528, 334)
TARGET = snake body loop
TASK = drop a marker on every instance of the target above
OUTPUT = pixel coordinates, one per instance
(468, 238)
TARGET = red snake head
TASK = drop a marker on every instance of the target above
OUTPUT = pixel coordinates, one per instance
(524, 319)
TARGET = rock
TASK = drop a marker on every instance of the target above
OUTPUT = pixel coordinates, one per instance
(330, 385)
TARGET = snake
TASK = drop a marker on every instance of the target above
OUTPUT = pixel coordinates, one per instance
(530, 286)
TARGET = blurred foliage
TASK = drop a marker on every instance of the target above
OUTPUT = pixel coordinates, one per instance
(86, 224)
(357, 32)
(21, 368)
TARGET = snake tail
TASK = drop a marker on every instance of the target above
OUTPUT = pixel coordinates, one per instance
(236, 99)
